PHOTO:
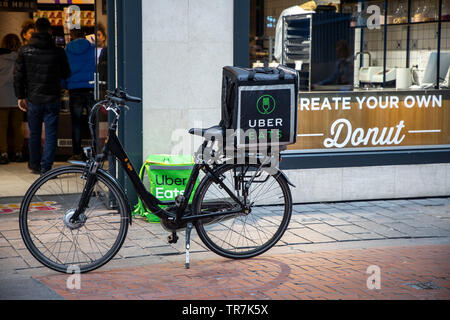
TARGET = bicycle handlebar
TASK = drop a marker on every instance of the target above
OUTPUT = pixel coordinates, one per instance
(120, 97)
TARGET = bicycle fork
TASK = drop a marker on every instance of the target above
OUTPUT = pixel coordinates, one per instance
(91, 178)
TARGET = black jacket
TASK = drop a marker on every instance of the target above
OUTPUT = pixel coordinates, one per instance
(39, 68)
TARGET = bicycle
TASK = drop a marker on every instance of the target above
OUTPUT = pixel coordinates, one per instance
(239, 210)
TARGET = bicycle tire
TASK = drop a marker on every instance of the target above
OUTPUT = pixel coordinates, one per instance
(232, 237)
(57, 205)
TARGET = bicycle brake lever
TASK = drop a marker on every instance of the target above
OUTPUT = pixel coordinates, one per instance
(113, 110)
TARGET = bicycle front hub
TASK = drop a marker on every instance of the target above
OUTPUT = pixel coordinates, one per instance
(74, 224)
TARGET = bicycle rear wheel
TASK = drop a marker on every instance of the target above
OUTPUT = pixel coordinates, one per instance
(243, 235)
(58, 243)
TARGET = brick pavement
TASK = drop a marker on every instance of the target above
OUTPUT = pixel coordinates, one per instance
(313, 227)
(405, 273)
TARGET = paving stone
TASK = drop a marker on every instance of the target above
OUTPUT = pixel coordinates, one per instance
(12, 263)
(369, 236)
(306, 219)
(319, 206)
(322, 217)
(26, 289)
(338, 222)
(333, 232)
(291, 238)
(138, 252)
(150, 242)
(342, 205)
(28, 258)
(349, 217)
(385, 204)
(352, 229)
(6, 252)
(419, 231)
(294, 224)
(400, 202)
(333, 210)
(17, 244)
(301, 208)
(428, 201)
(4, 242)
(381, 229)
(359, 204)
(8, 224)
(11, 234)
(381, 219)
(313, 236)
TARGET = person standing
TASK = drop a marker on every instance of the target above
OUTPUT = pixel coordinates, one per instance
(38, 71)
(101, 39)
(81, 55)
(28, 28)
(10, 115)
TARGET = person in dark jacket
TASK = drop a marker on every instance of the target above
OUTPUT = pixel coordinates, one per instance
(10, 116)
(38, 71)
(81, 55)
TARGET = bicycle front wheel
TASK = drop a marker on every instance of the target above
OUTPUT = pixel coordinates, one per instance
(244, 234)
(63, 245)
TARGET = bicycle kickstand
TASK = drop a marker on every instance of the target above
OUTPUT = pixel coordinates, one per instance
(188, 242)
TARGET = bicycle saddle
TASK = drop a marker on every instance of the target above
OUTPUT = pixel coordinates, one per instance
(207, 132)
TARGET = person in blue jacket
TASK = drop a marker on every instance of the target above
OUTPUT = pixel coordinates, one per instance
(81, 55)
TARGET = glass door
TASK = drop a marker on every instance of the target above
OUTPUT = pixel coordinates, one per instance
(101, 37)
(101, 66)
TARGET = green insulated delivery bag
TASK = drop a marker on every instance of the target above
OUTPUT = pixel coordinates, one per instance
(263, 100)
(167, 178)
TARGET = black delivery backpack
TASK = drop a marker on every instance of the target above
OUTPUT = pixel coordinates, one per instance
(263, 100)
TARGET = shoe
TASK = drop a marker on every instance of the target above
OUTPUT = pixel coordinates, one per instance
(4, 158)
(18, 157)
(34, 169)
(44, 171)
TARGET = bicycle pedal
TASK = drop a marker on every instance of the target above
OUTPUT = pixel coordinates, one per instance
(179, 200)
(172, 238)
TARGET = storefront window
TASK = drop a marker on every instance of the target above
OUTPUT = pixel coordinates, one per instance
(88, 16)
(374, 74)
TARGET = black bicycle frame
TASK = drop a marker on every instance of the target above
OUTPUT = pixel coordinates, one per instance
(177, 215)
(114, 146)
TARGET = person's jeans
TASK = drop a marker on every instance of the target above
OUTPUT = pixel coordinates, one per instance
(77, 102)
(47, 113)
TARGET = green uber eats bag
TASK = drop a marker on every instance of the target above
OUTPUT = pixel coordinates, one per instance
(167, 176)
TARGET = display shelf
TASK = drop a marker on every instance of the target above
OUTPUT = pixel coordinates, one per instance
(347, 4)
(404, 24)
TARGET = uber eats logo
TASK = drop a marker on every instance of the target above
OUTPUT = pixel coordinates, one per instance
(266, 104)
(169, 187)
